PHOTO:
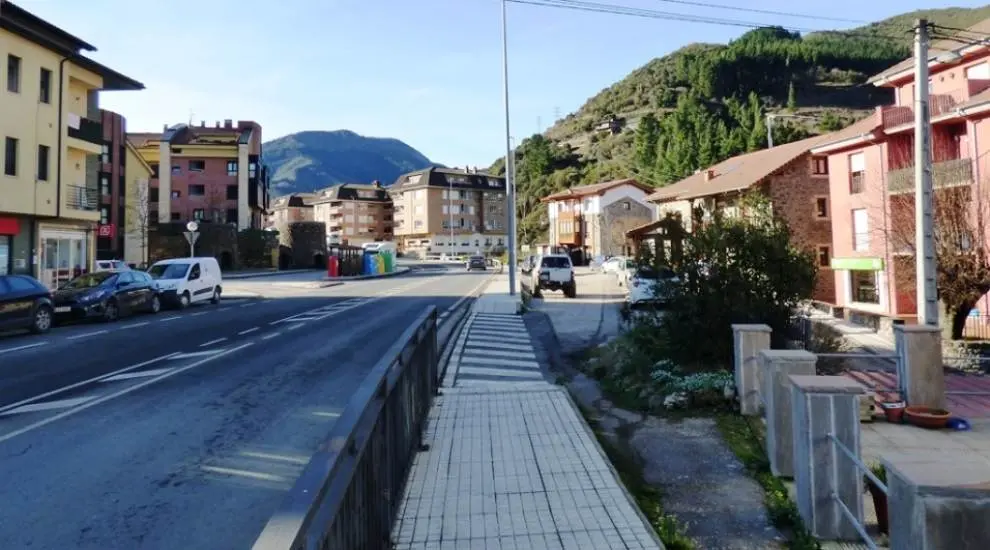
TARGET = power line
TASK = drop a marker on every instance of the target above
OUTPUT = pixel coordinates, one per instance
(765, 12)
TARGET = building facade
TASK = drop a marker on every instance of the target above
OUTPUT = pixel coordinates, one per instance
(53, 139)
(871, 171)
(355, 214)
(795, 182)
(592, 220)
(449, 211)
(290, 208)
(136, 214)
(212, 174)
(112, 185)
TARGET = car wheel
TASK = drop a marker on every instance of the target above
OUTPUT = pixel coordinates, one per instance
(111, 312)
(156, 304)
(216, 296)
(42, 321)
(184, 300)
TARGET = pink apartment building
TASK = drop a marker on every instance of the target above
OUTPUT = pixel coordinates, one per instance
(871, 177)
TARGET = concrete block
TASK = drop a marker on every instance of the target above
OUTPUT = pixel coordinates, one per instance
(777, 365)
(824, 405)
(920, 369)
(937, 500)
(747, 342)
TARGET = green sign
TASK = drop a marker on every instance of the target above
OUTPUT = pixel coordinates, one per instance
(858, 264)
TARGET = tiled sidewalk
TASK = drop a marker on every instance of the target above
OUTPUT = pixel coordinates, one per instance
(511, 463)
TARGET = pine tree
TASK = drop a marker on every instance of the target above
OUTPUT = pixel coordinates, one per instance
(645, 142)
(791, 98)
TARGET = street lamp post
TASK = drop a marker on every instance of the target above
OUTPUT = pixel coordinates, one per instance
(510, 191)
(450, 214)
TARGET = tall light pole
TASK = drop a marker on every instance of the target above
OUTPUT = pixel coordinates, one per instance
(924, 223)
(510, 190)
(450, 214)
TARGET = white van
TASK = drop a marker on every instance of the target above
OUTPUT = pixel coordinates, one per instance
(185, 281)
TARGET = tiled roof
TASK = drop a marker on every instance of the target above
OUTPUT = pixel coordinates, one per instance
(594, 189)
(937, 48)
(437, 177)
(736, 173)
(350, 192)
(859, 128)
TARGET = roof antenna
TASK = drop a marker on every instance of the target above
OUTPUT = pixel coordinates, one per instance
(191, 117)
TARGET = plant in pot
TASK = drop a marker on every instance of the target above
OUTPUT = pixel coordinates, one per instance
(879, 497)
(893, 408)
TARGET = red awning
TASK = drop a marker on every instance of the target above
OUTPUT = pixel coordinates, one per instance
(9, 226)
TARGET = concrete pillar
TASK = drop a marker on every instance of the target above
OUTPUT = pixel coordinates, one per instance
(777, 365)
(920, 369)
(823, 405)
(747, 343)
(937, 501)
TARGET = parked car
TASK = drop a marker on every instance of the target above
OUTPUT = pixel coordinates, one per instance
(477, 262)
(613, 264)
(106, 295)
(651, 285)
(625, 272)
(554, 272)
(111, 265)
(25, 304)
(186, 281)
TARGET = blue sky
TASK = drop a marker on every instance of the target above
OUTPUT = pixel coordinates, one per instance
(427, 72)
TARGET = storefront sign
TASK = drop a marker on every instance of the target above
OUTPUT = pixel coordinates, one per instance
(106, 230)
(858, 264)
(9, 226)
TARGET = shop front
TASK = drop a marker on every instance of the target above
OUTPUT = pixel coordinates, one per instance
(15, 245)
(65, 252)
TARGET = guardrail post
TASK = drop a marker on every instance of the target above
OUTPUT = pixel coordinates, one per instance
(937, 501)
(920, 369)
(747, 342)
(777, 365)
(824, 405)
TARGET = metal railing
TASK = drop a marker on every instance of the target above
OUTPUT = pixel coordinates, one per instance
(948, 173)
(850, 517)
(348, 495)
(82, 197)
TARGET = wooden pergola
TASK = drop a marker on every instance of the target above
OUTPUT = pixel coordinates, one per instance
(665, 237)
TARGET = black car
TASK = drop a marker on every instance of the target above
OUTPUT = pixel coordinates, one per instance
(107, 295)
(25, 303)
(477, 262)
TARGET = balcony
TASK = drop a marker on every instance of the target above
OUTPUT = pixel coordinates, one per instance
(938, 105)
(79, 197)
(950, 173)
(85, 129)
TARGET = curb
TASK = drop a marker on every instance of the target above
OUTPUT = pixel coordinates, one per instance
(274, 273)
(396, 273)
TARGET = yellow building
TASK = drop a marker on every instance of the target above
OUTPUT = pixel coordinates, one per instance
(51, 141)
(137, 175)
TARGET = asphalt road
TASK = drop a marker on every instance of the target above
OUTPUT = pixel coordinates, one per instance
(184, 430)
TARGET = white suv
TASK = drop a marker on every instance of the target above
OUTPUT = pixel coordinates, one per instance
(554, 272)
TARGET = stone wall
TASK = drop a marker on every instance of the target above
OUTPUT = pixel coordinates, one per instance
(793, 191)
(302, 245)
(166, 240)
(615, 221)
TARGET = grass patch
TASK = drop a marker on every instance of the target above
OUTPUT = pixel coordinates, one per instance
(746, 441)
(648, 498)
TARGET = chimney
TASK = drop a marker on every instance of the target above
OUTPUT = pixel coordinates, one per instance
(709, 174)
(218, 124)
(164, 127)
(228, 123)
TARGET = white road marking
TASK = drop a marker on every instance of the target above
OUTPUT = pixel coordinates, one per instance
(211, 342)
(270, 335)
(294, 327)
(134, 325)
(249, 304)
(138, 374)
(115, 395)
(248, 331)
(224, 308)
(47, 406)
(300, 460)
(87, 334)
(475, 352)
(19, 348)
(84, 382)
(172, 318)
(500, 362)
(490, 371)
(260, 476)
(477, 347)
(191, 354)
(198, 313)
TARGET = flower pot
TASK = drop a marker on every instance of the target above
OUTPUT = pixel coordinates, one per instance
(880, 505)
(927, 417)
(894, 411)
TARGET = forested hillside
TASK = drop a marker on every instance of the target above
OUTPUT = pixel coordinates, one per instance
(706, 102)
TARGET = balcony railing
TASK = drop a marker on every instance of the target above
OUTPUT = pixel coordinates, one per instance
(938, 105)
(950, 173)
(88, 130)
(82, 198)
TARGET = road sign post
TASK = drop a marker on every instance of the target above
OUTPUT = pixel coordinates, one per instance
(192, 235)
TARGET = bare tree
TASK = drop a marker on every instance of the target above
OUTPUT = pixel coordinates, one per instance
(962, 258)
(138, 217)
(215, 204)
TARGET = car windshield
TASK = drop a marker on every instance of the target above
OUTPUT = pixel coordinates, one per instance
(662, 273)
(555, 262)
(168, 271)
(89, 280)
(477, 259)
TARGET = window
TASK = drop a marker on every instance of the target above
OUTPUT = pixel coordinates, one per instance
(105, 154)
(44, 154)
(819, 166)
(626, 206)
(197, 190)
(104, 215)
(231, 215)
(252, 169)
(175, 217)
(231, 167)
(13, 74)
(978, 72)
(232, 192)
(861, 230)
(197, 165)
(154, 170)
(176, 194)
(10, 156)
(176, 169)
(152, 194)
(863, 286)
(857, 172)
(824, 256)
(45, 94)
(104, 186)
(199, 214)
(821, 208)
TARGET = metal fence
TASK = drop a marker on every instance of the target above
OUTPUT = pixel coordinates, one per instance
(846, 512)
(348, 494)
(977, 327)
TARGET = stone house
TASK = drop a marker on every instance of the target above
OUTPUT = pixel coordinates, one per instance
(794, 180)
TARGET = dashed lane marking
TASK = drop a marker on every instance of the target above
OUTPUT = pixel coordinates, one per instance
(248, 331)
(294, 327)
(139, 374)
(25, 346)
(86, 335)
(270, 335)
(134, 325)
(172, 318)
(191, 354)
(211, 342)
(47, 406)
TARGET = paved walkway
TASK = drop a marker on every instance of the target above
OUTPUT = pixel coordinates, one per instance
(511, 464)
